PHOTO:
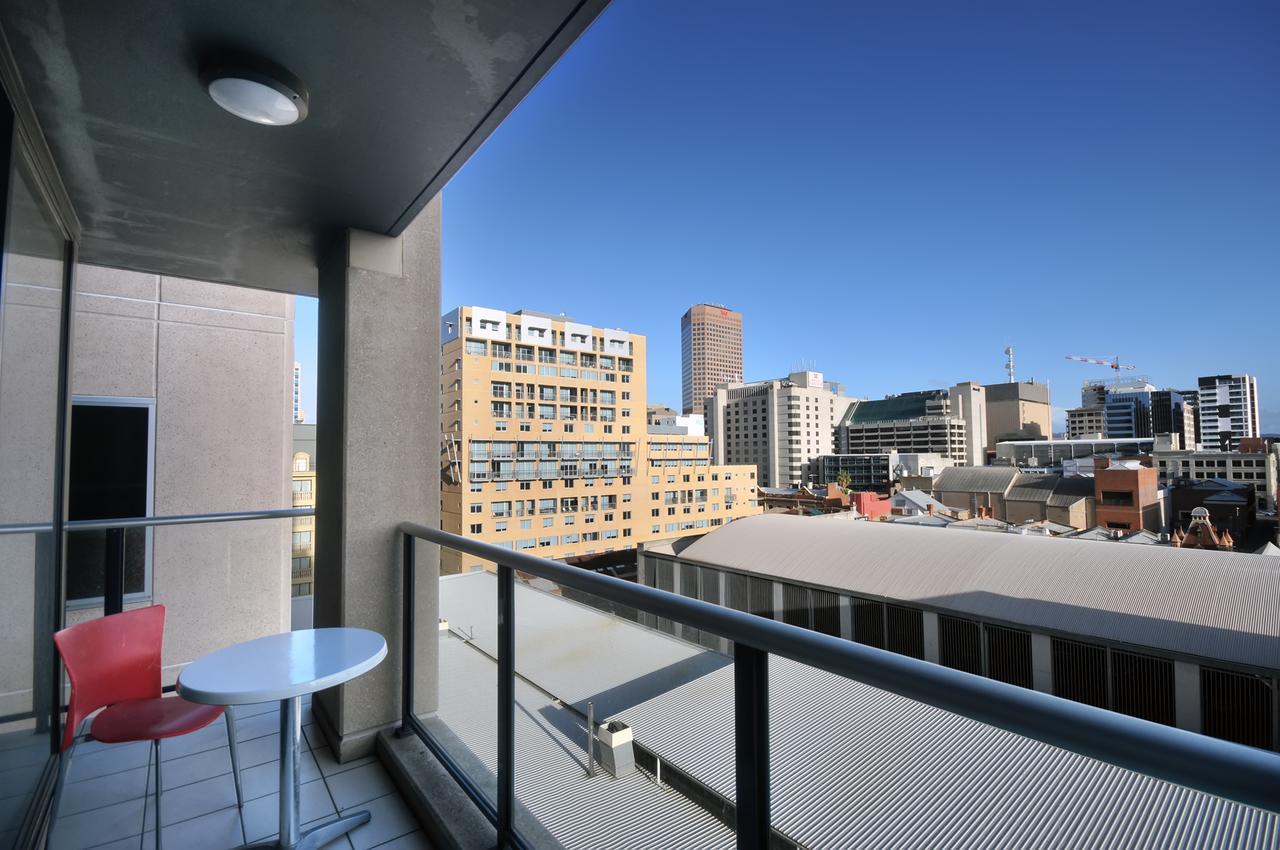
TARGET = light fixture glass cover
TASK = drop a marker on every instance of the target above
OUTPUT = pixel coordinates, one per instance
(258, 92)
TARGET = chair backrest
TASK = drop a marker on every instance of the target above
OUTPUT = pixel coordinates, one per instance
(110, 660)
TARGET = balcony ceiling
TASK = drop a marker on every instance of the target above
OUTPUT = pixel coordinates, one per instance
(162, 180)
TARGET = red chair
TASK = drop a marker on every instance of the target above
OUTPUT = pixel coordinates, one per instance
(114, 665)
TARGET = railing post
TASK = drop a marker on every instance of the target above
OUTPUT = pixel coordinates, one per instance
(506, 703)
(113, 572)
(751, 745)
(408, 627)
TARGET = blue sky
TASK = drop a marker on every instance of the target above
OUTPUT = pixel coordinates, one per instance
(896, 191)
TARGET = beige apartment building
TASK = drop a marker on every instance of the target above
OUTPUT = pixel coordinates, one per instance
(710, 352)
(303, 548)
(776, 426)
(546, 447)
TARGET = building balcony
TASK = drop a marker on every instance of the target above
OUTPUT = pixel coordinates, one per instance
(671, 721)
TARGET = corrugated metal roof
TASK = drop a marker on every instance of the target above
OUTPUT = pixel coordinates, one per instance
(852, 766)
(1031, 487)
(1198, 602)
(574, 651)
(974, 479)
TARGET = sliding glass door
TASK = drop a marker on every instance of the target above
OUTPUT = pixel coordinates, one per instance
(34, 283)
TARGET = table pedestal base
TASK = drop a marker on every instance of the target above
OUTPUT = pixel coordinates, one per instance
(313, 839)
(291, 836)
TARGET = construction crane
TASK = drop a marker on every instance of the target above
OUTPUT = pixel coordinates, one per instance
(1114, 364)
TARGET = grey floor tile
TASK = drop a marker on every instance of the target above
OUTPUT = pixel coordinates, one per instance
(259, 751)
(356, 786)
(412, 841)
(263, 779)
(215, 831)
(209, 738)
(104, 791)
(111, 759)
(12, 808)
(248, 728)
(262, 816)
(193, 768)
(330, 767)
(194, 800)
(20, 780)
(98, 826)
(391, 818)
(255, 709)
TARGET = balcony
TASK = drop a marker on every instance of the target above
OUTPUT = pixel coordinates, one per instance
(521, 748)
(106, 789)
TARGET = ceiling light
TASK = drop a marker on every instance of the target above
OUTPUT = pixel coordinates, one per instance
(257, 92)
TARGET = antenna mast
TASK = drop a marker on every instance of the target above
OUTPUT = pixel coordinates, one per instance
(1008, 363)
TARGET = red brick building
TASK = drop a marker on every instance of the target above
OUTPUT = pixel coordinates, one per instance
(1127, 494)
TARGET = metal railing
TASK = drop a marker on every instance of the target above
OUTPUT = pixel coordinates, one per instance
(113, 563)
(1231, 771)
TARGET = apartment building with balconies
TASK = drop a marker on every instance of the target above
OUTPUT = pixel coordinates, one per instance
(546, 446)
(778, 426)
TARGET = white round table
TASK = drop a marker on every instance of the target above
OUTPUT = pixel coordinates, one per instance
(284, 667)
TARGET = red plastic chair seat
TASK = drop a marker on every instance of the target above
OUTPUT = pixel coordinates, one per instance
(151, 719)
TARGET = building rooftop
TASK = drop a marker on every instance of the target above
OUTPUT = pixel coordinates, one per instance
(898, 407)
(1223, 607)
(975, 479)
(878, 771)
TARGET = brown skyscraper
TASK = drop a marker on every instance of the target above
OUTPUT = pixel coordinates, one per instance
(710, 352)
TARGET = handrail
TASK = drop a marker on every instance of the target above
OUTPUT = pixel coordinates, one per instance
(1221, 768)
(150, 521)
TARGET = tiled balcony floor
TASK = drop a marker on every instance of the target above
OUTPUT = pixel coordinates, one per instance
(103, 803)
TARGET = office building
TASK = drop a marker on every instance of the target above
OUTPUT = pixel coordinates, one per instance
(303, 553)
(1086, 423)
(877, 472)
(951, 423)
(777, 426)
(546, 445)
(710, 352)
(1228, 406)
(1094, 393)
(1191, 398)
(299, 415)
(1018, 411)
(1257, 470)
(1052, 454)
(1172, 415)
(1127, 411)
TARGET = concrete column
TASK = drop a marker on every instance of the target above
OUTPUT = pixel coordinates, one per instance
(1186, 695)
(1042, 663)
(931, 651)
(779, 604)
(846, 617)
(377, 462)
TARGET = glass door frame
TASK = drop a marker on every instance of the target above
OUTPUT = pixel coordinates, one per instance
(22, 143)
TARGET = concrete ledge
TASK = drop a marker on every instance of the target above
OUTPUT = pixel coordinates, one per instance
(440, 803)
(447, 815)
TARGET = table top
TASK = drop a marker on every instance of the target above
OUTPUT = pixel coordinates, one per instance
(281, 666)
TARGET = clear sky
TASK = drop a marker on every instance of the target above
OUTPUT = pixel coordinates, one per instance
(894, 192)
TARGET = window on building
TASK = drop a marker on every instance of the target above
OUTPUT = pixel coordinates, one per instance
(110, 477)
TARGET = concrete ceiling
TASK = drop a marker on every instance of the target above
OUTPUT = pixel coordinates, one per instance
(162, 180)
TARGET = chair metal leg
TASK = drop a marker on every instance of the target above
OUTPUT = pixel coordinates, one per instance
(159, 787)
(235, 755)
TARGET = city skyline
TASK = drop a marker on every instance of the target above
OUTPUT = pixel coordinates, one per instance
(1104, 181)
